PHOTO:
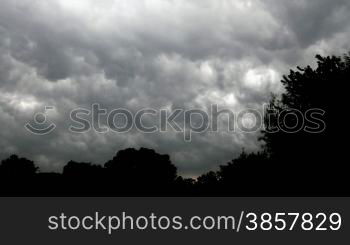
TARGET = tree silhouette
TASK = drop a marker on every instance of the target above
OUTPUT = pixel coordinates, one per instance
(17, 167)
(310, 160)
(142, 171)
(17, 175)
(248, 174)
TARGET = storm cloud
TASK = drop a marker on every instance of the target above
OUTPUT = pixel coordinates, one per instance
(151, 54)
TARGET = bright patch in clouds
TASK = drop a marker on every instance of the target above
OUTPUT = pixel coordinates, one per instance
(259, 79)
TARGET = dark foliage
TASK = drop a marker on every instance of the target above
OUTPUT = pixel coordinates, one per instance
(145, 167)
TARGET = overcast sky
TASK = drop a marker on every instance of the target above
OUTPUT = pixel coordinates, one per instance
(151, 53)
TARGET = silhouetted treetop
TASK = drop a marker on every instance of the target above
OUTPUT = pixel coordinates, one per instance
(15, 166)
(313, 87)
(142, 165)
(80, 169)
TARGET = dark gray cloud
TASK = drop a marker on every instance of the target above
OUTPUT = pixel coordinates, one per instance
(159, 54)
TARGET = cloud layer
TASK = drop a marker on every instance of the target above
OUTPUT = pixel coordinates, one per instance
(157, 54)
